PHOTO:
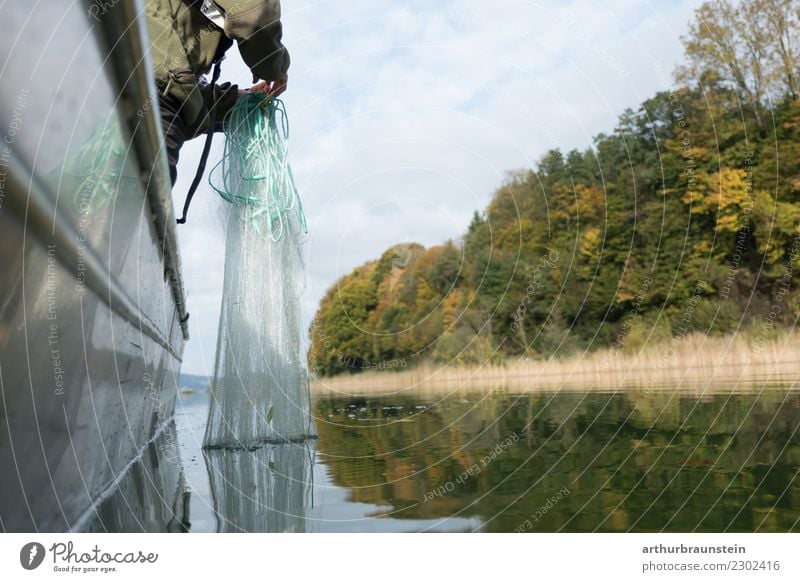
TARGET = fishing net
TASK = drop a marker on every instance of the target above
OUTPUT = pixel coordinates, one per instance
(266, 490)
(260, 390)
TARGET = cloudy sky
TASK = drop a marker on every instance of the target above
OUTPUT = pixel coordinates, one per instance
(406, 115)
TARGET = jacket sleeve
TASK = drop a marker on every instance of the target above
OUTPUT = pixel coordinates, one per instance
(256, 27)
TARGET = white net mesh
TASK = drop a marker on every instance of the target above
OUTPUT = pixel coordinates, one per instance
(260, 389)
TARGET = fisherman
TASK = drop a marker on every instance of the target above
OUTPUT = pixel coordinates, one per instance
(190, 37)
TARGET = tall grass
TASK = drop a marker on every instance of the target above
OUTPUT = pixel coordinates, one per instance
(695, 363)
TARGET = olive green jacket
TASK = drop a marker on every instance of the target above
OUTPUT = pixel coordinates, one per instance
(184, 43)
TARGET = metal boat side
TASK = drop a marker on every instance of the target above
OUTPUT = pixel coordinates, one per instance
(92, 309)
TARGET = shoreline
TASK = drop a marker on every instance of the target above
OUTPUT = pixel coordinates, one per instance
(695, 364)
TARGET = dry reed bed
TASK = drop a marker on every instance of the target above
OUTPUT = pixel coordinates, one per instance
(695, 364)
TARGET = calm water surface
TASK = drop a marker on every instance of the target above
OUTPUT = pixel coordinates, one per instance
(490, 462)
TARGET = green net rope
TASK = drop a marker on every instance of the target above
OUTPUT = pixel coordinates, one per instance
(254, 169)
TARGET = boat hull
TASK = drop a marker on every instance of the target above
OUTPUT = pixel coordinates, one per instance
(92, 318)
(83, 390)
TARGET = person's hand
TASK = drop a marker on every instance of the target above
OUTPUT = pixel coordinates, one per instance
(269, 88)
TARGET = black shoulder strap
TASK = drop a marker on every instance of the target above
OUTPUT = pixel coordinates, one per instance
(201, 166)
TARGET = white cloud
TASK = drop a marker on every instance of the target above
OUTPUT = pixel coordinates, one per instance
(403, 121)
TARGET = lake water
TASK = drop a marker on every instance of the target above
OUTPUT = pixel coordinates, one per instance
(497, 463)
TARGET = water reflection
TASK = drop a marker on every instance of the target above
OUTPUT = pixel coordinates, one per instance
(263, 490)
(498, 462)
(96, 182)
(572, 461)
(151, 496)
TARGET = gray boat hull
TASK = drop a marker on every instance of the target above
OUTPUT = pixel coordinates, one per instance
(92, 319)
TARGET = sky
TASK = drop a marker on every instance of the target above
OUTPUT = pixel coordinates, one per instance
(405, 118)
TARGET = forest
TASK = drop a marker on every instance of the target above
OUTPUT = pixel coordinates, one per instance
(683, 219)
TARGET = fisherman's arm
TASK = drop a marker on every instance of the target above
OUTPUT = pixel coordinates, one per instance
(256, 26)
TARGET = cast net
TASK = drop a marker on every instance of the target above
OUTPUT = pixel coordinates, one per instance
(260, 389)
